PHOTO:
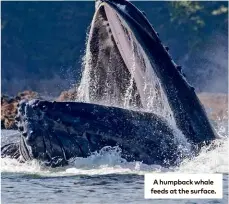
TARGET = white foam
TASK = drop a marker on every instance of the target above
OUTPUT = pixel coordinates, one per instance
(209, 161)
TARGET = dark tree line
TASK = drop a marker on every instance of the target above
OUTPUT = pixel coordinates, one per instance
(43, 42)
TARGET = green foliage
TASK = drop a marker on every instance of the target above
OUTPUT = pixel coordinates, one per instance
(184, 12)
(199, 19)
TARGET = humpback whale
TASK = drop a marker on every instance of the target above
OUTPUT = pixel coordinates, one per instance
(131, 95)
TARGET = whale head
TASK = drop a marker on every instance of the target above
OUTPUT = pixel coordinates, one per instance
(126, 65)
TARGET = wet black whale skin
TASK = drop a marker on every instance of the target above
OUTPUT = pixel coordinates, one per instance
(54, 132)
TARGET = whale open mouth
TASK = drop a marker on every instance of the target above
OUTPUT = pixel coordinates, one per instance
(117, 69)
(126, 65)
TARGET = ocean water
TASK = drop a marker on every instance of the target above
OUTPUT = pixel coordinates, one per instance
(103, 177)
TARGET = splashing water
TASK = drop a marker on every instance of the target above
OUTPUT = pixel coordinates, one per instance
(108, 160)
(130, 88)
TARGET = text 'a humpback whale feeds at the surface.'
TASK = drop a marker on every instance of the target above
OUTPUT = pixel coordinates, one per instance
(132, 95)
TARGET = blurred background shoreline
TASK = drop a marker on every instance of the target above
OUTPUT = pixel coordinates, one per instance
(43, 42)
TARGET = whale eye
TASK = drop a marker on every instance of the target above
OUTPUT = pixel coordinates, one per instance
(24, 134)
